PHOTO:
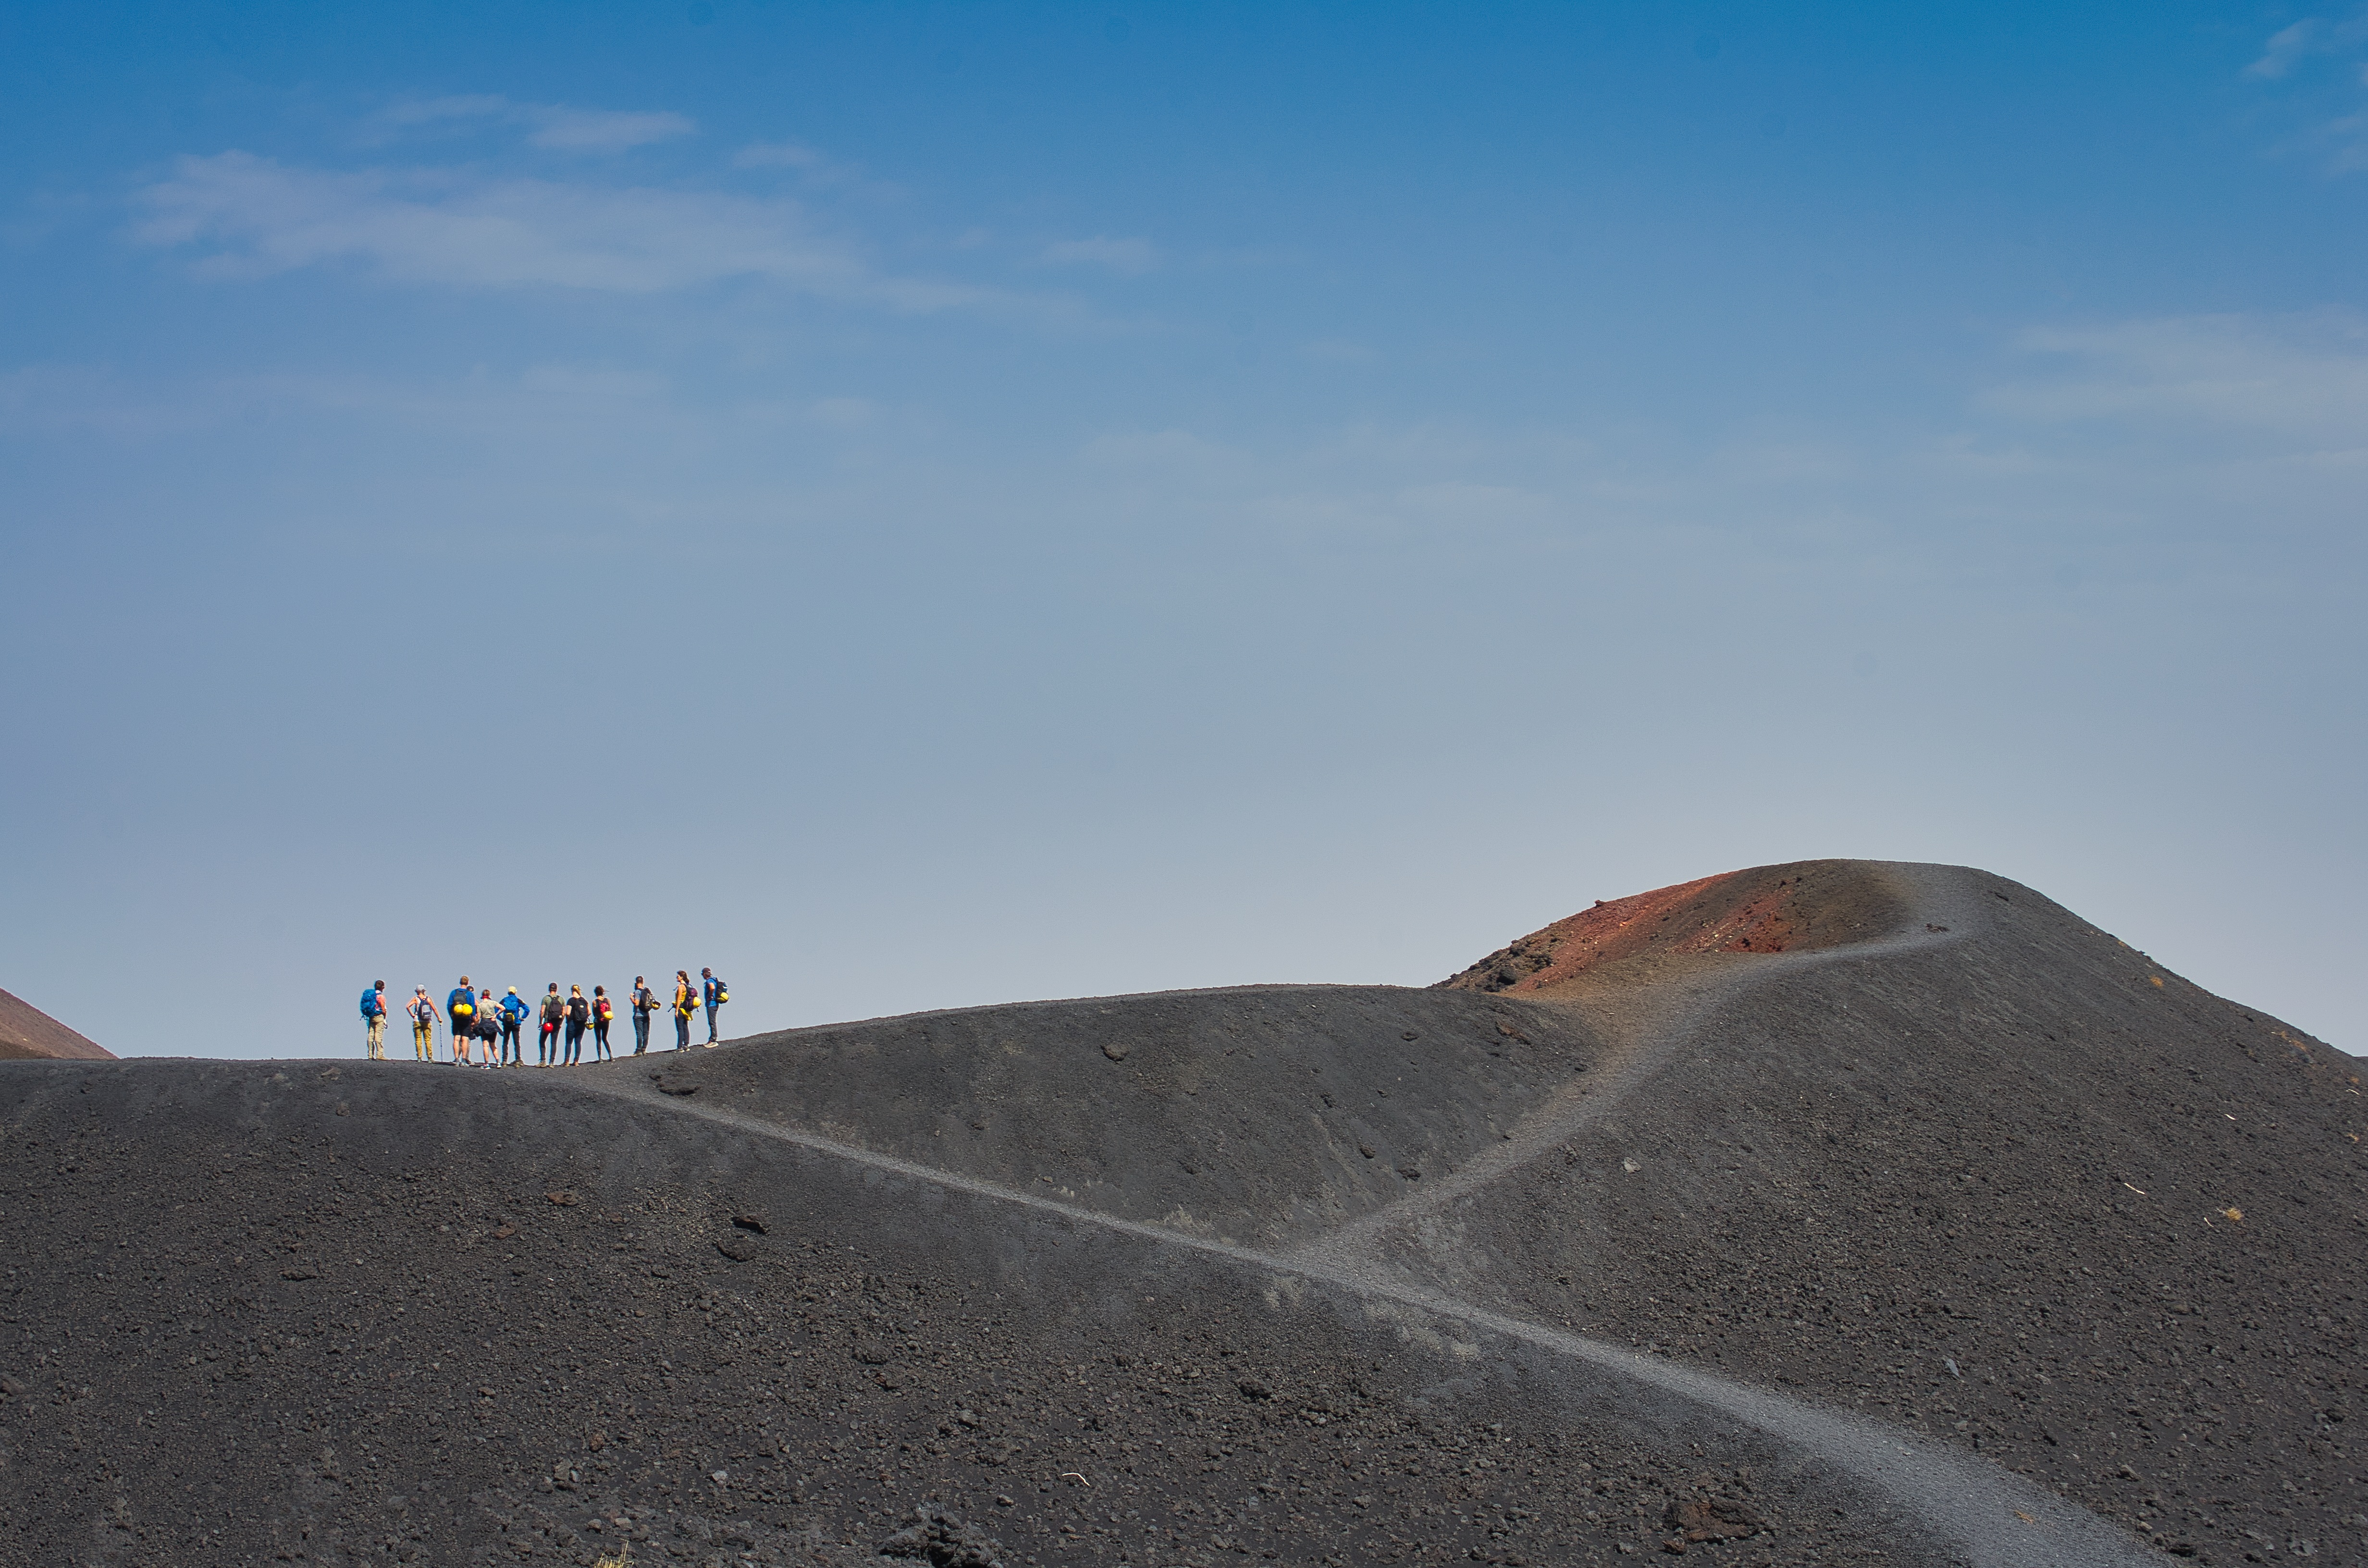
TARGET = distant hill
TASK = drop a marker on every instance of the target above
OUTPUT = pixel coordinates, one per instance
(29, 1034)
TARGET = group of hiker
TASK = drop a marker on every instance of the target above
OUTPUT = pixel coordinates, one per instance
(490, 1029)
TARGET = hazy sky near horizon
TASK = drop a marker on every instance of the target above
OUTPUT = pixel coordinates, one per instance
(916, 506)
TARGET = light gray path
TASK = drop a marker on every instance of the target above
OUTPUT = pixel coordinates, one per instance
(1644, 1027)
(1989, 1516)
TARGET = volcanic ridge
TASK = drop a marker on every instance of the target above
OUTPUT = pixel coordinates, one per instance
(1835, 1212)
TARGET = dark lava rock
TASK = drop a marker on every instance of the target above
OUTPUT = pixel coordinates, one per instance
(1698, 1519)
(943, 1541)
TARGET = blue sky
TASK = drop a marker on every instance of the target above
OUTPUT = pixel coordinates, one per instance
(919, 506)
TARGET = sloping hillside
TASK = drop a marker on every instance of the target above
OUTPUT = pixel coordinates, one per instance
(2001, 1179)
(29, 1034)
(1262, 1115)
(1841, 1212)
(368, 1313)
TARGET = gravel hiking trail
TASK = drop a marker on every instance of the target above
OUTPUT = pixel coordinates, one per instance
(1989, 1516)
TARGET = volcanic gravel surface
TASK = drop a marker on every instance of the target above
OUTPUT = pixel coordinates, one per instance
(377, 1313)
(1791, 1252)
(2010, 1183)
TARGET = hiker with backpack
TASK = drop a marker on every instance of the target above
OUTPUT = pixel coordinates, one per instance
(645, 1002)
(489, 1033)
(554, 1012)
(713, 992)
(686, 1003)
(602, 1011)
(423, 1023)
(579, 1013)
(513, 1011)
(374, 1020)
(461, 1008)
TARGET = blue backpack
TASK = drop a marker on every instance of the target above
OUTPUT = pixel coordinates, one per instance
(371, 1005)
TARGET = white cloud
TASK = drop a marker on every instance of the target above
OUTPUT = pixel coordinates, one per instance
(589, 131)
(259, 217)
(1119, 255)
(2298, 381)
(2284, 48)
(555, 126)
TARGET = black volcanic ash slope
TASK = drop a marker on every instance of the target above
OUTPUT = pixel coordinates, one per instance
(335, 1314)
(1260, 1115)
(2132, 1214)
(373, 1313)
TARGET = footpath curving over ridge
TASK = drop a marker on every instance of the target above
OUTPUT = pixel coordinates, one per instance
(1260, 1115)
(1999, 1178)
(1661, 1270)
(27, 1034)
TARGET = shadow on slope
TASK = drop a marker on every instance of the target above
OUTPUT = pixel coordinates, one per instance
(1259, 1114)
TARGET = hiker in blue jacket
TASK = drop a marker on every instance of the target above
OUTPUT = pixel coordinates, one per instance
(515, 1009)
(712, 993)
